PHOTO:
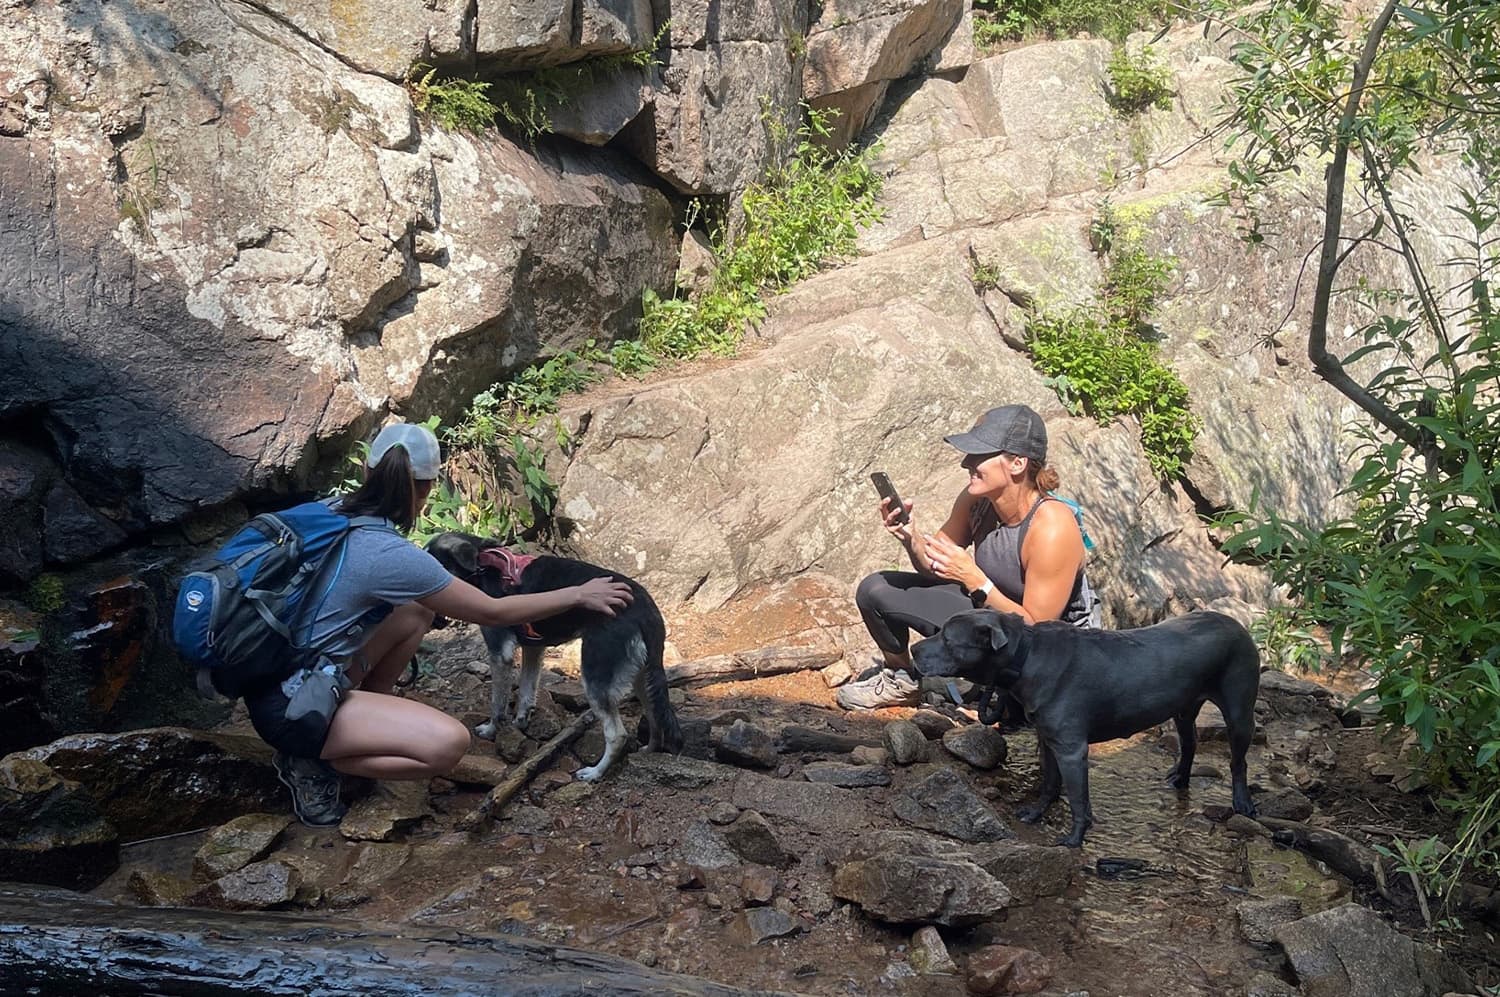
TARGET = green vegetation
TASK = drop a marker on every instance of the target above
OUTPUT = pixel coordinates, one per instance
(457, 105)
(804, 212)
(983, 276)
(524, 101)
(997, 21)
(1138, 82)
(1286, 642)
(1099, 363)
(45, 594)
(143, 177)
(1409, 581)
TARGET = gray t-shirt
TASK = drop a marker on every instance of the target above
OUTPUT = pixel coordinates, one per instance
(380, 569)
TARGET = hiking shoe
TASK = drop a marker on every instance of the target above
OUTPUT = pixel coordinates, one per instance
(315, 789)
(886, 687)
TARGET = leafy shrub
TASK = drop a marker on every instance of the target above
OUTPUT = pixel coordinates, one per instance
(996, 21)
(1286, 642)
(457, 105)
(45, 594)
(1138, 82)
(1134, 280)
(802, 214)
(1103, 369)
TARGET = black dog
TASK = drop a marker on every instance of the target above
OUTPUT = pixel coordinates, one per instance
(1081, 686)
(621, 654)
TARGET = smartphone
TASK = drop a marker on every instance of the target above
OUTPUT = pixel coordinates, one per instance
(888, 491)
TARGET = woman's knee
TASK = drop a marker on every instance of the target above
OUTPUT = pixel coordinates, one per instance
(450, 743)
(871, 588)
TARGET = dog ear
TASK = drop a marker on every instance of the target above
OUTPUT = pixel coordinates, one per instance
(458, 550)
(998, 640)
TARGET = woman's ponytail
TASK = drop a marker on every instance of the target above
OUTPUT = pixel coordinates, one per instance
(1047, 479)
(389, 490)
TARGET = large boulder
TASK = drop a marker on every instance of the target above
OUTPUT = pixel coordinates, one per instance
(24, 718)
(254, 249)
(727, 94)
(549, 32)
(1349, 951)
(907, 878)
(164, 780)
(51, 828)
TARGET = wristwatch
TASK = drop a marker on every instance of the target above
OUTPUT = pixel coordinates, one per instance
(981, 595)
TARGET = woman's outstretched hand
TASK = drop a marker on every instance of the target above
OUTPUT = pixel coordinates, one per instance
(604, 595)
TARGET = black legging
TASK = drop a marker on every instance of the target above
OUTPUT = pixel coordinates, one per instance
(894, 603)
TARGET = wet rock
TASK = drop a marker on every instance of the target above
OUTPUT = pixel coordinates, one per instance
(1240, 824)
(907, 878)
(905, 742)
(929, 956)
(932, 724)
(1266, 985)
(320, 873)
(753, 926)
(753, 840)
(672, 771)
(159, 889)
(1259, 919)
(848, 776)
(1029, 871)
(1006, 969)
(570, 696)
(478, 770)
(234, 845)
(980, 746)
(1287, 803)
(746, 744)
(166, 779)
(52, 830)
(1206, 772)
(1349, 951)
(258, 886)
(944, 802)
(24, 720)
(865, 755)
(723, 812)
(758, 886)
(703, 847)
(391, 811)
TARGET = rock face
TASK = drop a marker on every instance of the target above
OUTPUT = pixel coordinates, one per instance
(1349, 950)
(257, 248)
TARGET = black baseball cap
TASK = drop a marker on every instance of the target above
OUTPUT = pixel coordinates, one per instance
(1013, 429)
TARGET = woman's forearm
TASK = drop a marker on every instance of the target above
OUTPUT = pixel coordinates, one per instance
(512, 609)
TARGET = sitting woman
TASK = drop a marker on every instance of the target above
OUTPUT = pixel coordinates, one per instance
(369, 625)
(1028, 556)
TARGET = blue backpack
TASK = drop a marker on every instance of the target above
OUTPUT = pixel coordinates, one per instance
(239, 621)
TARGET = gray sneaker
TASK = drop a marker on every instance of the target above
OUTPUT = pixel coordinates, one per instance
(315, 789)
(887, 687)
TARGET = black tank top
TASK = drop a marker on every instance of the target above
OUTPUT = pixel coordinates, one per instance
(997, 552)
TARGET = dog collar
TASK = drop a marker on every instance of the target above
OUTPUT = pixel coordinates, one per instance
(508, 563)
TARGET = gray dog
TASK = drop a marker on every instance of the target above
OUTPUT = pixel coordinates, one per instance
(1080, 686)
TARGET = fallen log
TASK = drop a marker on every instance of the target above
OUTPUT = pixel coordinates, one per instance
(742, 665)
(494, 801)
(792, 739)
(54, 942)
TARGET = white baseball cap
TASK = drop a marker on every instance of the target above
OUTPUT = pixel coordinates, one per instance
(420, 445)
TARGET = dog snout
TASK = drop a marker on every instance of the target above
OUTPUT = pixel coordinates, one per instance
(930, 656)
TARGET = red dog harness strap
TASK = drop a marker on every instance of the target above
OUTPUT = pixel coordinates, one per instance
(510, 565)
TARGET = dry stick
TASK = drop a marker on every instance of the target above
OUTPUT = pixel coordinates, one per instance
(494, 801)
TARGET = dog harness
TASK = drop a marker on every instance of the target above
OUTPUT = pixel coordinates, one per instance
(509, 565)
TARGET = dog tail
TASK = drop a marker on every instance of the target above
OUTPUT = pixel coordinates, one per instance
(666, 734)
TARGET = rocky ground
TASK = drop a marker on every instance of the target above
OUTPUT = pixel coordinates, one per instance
(796, 847)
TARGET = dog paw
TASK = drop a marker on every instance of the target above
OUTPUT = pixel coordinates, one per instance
(1030, 815)
(1177, 781)
(1074, 840)
(486, 730)
(590, 774)
(523, 717)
